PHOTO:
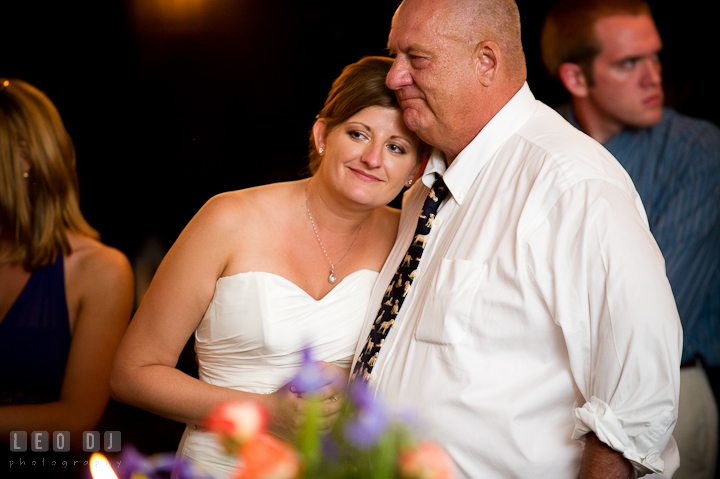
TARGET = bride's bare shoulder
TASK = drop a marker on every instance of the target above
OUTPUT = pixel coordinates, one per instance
(265, 195)
(254, 204)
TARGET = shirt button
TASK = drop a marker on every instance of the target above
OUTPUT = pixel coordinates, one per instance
(437, 223)
(373, 376)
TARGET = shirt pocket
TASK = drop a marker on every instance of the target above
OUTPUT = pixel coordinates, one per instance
(449, 304)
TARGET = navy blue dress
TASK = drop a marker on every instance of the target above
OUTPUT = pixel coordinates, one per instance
(35, 339)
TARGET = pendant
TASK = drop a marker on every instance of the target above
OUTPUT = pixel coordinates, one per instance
(332, 278)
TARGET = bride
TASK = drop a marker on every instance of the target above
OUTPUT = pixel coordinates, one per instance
(259, 274)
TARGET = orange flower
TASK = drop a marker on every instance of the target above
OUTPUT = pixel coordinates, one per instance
(267, 457)
(237, 422)
(426, 461)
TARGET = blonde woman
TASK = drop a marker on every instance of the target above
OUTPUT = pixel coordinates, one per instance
(65, 298)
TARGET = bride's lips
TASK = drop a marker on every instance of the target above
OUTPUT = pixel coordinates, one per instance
(364, 176)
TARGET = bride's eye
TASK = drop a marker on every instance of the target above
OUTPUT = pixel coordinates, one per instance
(396, 148)
(357, 134)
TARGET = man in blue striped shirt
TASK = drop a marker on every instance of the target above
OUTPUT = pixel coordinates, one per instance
(605, 52)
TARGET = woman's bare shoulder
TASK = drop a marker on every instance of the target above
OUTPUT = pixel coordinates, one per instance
(235, 226)
(91, 257)
(98, 278)
(235, 208)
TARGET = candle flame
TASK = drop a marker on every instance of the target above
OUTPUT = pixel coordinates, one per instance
(100, 467)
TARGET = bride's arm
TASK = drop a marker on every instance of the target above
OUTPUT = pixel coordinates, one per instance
(144, 372)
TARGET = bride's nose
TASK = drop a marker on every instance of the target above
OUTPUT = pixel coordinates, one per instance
(372, 155)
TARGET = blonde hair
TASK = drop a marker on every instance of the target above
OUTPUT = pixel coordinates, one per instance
(37, 210)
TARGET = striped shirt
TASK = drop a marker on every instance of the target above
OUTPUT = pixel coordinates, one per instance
(675, 166)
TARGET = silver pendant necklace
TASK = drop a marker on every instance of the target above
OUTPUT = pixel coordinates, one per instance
(332, 278)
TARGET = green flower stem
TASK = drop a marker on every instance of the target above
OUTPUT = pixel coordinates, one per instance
(385, 457)
(308, 443)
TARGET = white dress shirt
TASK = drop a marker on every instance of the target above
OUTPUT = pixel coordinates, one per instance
(541, 310)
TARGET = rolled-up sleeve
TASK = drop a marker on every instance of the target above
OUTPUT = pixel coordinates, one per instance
(610, 295)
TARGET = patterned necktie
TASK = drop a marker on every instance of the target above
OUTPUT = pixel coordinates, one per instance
(400, 284)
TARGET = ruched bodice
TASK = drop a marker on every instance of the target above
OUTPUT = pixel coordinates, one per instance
(252, 334)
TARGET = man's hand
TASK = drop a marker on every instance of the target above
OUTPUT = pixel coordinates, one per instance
(600, 461)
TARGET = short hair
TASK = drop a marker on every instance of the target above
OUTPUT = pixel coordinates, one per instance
(568, 33)
(360, 85)
(36, 210)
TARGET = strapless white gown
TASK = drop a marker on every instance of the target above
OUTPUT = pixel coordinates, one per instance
(252, 335)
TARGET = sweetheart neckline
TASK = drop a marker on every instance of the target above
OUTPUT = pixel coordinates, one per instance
(284, 279)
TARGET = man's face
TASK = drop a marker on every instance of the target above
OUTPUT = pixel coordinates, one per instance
(433, 73)
(628, 86)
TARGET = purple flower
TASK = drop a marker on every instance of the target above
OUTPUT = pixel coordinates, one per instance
(309, 378)
(157, 466)
(360, 395)
(162, 464)
(131, 461)
(370, 420)
(185, 470)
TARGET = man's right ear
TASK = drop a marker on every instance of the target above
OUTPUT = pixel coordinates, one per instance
(572, 76)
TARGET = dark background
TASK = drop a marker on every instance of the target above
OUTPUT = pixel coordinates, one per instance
(172, 101)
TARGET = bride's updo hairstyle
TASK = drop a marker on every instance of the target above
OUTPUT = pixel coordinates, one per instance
(360, 85)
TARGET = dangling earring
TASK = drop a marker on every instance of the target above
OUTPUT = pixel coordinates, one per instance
(321, 150)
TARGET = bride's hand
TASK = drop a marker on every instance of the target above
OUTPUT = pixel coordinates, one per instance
(335, 380)
(287, 407)
(287, 411)
(331, 394)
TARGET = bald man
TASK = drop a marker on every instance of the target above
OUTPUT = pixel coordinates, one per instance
(539, 337)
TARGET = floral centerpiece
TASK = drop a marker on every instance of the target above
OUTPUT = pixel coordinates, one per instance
(367, 441)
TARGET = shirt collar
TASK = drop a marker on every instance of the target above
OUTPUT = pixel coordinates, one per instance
(460, 176)
(568, 112)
